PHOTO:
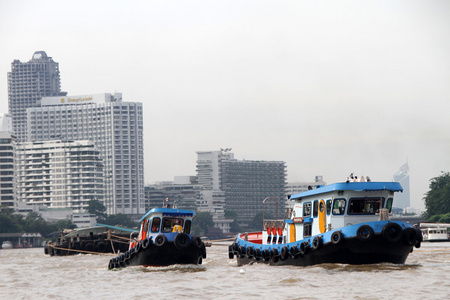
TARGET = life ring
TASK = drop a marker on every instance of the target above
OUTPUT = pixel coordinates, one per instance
(266, 255)
(284, 253)
(337, 237)
(274, 256)
(304, 247)
(392, 232)
(160, 240)
(364, 233)
(258, 254)
(182, 240)
(294, 252)
(250, 252)
(316, 243)
(410, 236)
(230, 252)
(101, 247)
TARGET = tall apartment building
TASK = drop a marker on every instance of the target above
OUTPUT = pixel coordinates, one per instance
(27, 84)
(114, 127)
(59, 174)
(245, 183)
(300, 187)
(402, 200)
(7, 145)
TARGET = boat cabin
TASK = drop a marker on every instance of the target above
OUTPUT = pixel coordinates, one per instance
(332, 206)
(166, 221)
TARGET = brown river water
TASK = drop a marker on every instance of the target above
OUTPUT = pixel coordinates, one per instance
(29, 274)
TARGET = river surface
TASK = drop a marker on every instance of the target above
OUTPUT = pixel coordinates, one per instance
(29, 274)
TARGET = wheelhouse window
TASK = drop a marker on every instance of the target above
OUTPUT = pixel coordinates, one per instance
(307, 229)
(364, 206)
(389, 204)
(169, 223)
(307, 209)
(338, 206)
(315, 208)
(156, 222)
(187, 226)
(328, 207)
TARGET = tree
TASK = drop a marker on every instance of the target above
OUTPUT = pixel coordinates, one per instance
(9, 222)
(97, 208)
(202, 222)
(437, 199)
(119, 219)
(234, 227)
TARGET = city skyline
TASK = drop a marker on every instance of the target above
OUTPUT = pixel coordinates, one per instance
(327, 88)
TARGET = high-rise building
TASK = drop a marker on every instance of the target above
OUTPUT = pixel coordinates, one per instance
(114, 127)
(402, 200)
(59, 174)
(7, 145)
(27, 84)
(246, 183)
(300, 187)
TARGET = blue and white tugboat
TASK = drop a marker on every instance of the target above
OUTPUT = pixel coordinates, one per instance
(164, 239)
(345, 222)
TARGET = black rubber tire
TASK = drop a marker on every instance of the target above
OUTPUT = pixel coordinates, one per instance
(258, 254)
(274, 256)
(242, 252)
(182, 240)
(230, 252)
(337, 237)
(304, 248)
(284, 253)
(316, 243)
(410, 236)
(160, 240)
(101, 247)
(89, 247)
(266, 255)
(364, 233)
(146, 242)
(250, 252)
(392, 232)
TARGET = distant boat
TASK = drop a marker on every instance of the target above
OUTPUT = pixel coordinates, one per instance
(434, 232)
(7, 245)
(346, 222)
(90, 240)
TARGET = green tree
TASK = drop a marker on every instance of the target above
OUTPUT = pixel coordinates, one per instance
(64, 224)
(202, 222)
(119, 219)
(97, 208)
(234, 227)
(10, 222)
(437, 199)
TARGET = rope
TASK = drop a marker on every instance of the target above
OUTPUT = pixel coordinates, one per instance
(81, 251)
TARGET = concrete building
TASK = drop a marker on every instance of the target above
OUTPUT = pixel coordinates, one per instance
(403, 200)
(58, 175)
(245, 183)
(116, 130)
(299, 187)
(27, 84)
(7, 146)
(182, 193)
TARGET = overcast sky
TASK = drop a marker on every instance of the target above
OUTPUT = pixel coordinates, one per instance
(329, 87)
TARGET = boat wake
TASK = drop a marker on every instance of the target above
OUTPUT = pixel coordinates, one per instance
(382, 267)
(171, 268)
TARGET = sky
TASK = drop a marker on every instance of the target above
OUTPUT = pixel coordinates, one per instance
(329, 87)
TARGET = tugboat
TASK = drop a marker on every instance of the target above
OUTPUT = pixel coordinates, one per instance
(346, 222)
(164, 239)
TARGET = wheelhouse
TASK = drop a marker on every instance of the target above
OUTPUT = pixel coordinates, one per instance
(165, 220)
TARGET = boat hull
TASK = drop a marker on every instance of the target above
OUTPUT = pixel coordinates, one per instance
(149, 253)
(335, 247)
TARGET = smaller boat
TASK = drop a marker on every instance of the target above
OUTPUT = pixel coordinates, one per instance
(7, 245)
(434, 232)
(164, 239)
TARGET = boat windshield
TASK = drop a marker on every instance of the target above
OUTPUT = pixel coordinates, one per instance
(169, 223)
(364, 206)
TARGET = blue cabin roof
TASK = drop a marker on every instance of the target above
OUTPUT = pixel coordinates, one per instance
(352, 186)
(169, 212)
